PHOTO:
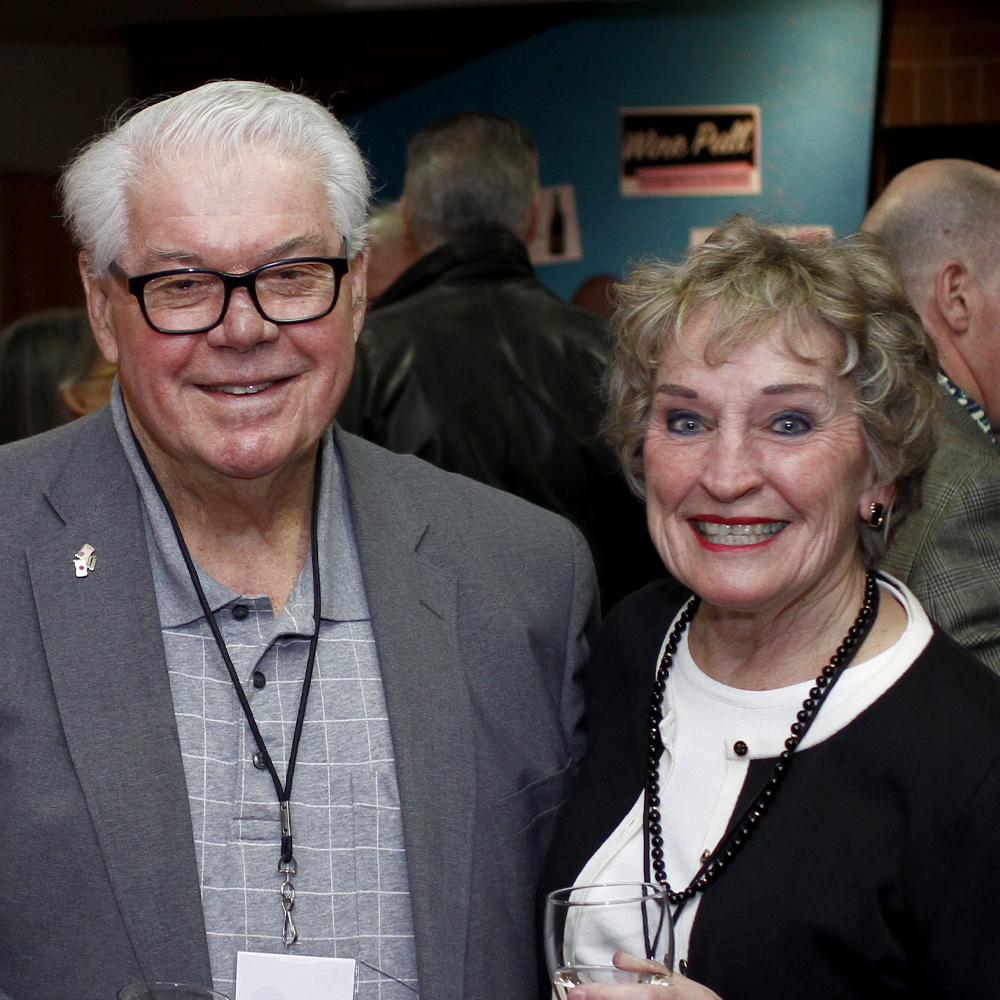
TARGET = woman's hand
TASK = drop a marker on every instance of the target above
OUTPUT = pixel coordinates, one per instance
(679, 987)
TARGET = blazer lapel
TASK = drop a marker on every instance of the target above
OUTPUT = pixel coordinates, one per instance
(413, 606)
(102, 641)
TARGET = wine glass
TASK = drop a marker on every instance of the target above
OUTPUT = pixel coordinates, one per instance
(586, 925)
(168, 991)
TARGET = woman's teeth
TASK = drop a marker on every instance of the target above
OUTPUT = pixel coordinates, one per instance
(243, 390)
(738, 534)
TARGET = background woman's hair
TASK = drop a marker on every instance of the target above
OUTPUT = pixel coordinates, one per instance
(755, 280)
(221, 121)
(40, 355)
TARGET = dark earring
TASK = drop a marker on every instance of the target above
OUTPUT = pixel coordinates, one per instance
(877, 516)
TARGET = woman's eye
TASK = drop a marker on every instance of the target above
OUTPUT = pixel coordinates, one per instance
(684, 423)
(791, 423)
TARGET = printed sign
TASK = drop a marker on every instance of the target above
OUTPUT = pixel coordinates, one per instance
(557, 238)
(808, 234)
(711, 150)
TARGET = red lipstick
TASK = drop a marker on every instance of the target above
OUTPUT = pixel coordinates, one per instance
(706, 543)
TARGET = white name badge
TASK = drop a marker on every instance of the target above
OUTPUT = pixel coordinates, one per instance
(261, 976)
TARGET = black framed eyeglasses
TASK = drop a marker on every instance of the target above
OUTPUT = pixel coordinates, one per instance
(195, 299)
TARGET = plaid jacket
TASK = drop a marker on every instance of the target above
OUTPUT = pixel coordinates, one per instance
(948, 553)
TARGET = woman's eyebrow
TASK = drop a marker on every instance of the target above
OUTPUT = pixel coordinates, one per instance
(669, 389)
(788, 387)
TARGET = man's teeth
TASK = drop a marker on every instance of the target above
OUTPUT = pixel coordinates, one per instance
(739, 534)
(243, 390)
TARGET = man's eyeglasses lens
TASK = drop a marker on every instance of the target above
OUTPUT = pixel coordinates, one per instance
(292, 291)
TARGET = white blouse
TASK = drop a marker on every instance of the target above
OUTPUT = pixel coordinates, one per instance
(701, 775)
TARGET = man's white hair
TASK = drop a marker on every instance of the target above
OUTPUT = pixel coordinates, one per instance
(223, 122)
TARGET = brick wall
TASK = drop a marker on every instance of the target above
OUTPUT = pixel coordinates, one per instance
(944, 63)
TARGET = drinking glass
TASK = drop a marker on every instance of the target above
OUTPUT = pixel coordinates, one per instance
(586, 925)
(168, 991)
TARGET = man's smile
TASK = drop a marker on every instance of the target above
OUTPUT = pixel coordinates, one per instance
(240, 390)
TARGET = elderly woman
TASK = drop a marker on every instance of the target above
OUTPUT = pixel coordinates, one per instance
(783, 737)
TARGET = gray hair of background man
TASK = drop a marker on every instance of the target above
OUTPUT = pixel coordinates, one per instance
(221, 121)
(953, 211)
(468, 172)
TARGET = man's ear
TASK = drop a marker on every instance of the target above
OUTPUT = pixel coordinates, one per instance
(359, 291)
(99, 310)
(951, 295)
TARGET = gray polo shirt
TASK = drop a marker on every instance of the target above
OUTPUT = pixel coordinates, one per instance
(352, 892)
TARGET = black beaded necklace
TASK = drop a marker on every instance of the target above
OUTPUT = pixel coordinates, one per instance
(741, 831)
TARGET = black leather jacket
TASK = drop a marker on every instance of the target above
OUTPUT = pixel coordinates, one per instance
(469, 362)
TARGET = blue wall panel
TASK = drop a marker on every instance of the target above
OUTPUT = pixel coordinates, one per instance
(810, 64)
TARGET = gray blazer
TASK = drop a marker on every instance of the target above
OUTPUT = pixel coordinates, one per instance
(948, 553)
(482, 608)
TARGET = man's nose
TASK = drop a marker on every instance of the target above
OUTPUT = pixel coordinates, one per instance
(732, 467)
(243, 327)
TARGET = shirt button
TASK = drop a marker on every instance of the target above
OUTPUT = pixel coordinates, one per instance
(740, 748)
(259, 680)
(240, 612)
(258, 762)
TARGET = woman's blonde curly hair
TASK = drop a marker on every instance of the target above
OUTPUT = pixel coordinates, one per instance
(755, 279)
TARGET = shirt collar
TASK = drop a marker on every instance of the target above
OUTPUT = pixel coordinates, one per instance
(971, 406)
(341, 581)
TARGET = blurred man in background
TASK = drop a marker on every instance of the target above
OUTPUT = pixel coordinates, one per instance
(940, 221)
(468, 361)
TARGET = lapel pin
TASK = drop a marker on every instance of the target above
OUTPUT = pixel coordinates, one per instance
(85, 560)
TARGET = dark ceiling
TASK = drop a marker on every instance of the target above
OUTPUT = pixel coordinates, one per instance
(348, 58)
(32, 21)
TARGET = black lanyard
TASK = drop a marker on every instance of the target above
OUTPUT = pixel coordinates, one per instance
(286, 863)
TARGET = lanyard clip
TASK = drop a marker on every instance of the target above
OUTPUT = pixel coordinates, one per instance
(286, 820)
(289, 933)
(286, 835)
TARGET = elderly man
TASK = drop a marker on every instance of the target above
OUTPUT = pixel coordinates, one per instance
(940, 220)
(208, 592)
(468, 361)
